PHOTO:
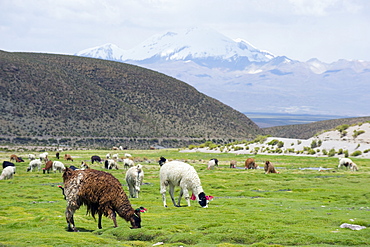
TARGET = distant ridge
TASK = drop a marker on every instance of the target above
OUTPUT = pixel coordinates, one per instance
(54, 97)
(306, 131)
(249, 78)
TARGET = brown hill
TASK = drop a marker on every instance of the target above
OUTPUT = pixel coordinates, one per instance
(56, 97)
(306, 131)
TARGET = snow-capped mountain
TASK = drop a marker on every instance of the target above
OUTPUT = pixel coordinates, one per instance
(206, 47)
(107, 52)
(249, 79)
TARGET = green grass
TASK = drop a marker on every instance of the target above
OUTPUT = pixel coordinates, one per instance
(294, 208)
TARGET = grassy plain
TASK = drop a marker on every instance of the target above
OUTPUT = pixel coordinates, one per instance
(294, 208)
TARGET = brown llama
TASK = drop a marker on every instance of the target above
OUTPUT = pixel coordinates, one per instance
(250, 163)
(68, 157)
(48, 166)
(233, 164)
(101, 193)
(269, 168)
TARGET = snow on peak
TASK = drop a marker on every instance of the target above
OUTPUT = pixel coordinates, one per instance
(195, 43)
(107, 51)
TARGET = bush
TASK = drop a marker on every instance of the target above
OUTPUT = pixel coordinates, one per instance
(356, 153)
(314, 144)
(319, 143)
(331, 152)
(273, 142)
(357, 133)
(280, 144)
(191, 147)
(260, 138)
(342, 128)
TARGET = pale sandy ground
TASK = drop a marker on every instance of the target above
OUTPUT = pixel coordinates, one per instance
(330, 140)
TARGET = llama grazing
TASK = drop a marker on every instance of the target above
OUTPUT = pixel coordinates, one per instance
(110, 164)
(48, 166)
(95, 158)
(233, 164)
(7, 163)
(127, 163)
(115, 156)
(84, 165)
(34, 164)
(31, 157)
(15, 158)
(269, 168)
(101, 193)
(68, 157)
(58, 166)
(212, 163)
(7, 172)
(250, 163)
(134, 179)
(43, 156)
(177, 173)
(347, 163)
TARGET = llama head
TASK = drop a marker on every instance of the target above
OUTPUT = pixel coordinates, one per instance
(136, 219)
(202, 199)
(162, 160)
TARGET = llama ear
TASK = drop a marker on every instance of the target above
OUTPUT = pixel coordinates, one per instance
(142, 210)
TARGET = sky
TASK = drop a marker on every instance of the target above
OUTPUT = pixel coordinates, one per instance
(299, 29)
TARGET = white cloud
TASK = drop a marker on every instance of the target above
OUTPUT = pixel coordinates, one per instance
(300, 29)
(324, 7)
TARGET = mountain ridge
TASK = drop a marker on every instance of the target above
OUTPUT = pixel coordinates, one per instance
(57, 96)
(241, 76)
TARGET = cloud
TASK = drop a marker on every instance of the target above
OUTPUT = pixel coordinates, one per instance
(324, 7)
(300, 29)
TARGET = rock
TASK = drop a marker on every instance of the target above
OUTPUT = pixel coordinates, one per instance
(352, 227)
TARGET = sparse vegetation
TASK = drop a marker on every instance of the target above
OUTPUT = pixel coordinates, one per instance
(314, 144)
(331, 152)
(99, 103)
(306, 131)
(356, 133)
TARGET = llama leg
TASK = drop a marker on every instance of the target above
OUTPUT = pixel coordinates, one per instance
(163, 192)
(69, 217)
(180, 196)
(99, 220)
(187, 197)
(172, 190)
(136, 193)
(113, 216)
(132, 192)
